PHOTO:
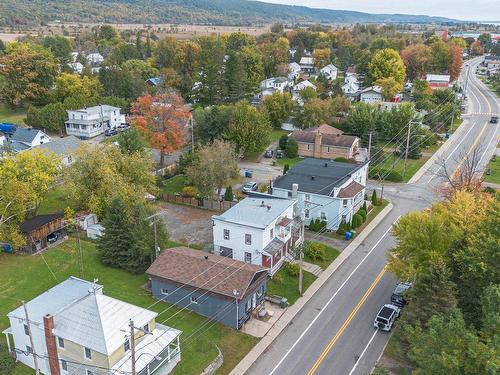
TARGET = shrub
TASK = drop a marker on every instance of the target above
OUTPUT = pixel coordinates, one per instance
(292, 149)
(343, 227)
(363, 214)
(374, 198)
(292, 269)
(341, 160)
(278, 278)
(263, 188)
(364, 207)
(283, 141)
(286, 167)
(317, 225)
(315, 250)
(7, 363)
(189, 191)
(228, 194)
(357, 220)
(386, 174)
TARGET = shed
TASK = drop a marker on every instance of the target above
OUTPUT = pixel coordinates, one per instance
(38, 228)
(95, 231)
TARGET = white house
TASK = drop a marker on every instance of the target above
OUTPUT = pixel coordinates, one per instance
(92, 121)
(303, 85)
(330, 191)
(65, 148)
(438, 81)
(27, 138)
(330, 72)
(371, 95)
(77, 67)
(307, 64)
(294, 71)
(350, 88)
(95, 59)
(261, 229)
(76, 329)
(275, 84)
(352, 78)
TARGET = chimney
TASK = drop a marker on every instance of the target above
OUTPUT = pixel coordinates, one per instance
(312, 178)
(326, 165)
(295, 189)
(50, 342)
(317, 145)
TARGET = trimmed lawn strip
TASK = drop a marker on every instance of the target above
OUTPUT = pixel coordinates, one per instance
(290, 162)
(174, 184)
(412, 168)
(13, 115)
(494, 167)
(331, 254)
(24, 277)
(284, 285)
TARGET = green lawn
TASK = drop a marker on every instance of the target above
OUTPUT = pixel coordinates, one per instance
(174, 184)
(397, 165)
(284, 285)
(494, 167)
(276, 134)
(14, 115)
(290, 162)
(331, 254)
(24, 277)
(54, 201)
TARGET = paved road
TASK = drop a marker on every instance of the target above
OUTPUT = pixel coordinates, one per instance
(334, 334)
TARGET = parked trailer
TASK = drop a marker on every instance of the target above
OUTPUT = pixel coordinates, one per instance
(7, 128)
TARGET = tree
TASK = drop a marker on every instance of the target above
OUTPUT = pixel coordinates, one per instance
(278, 107)
(140, 68)
(50, 117)
(60, 47)
(321, 57)
(216, 166)
(165, 53)
(477, 48)
(389, 87)
(102, 173)
(211, 123)
(440, 56)
(292, 149)
(362, 118)
(235, 77)
(71, 84)
(387, 63)
(211, 64)
(27, 73)
(456, 61)
(249, 129)
(122, 83)
(228, 194)
(162, 119)
(107, 32)
(283, 141)
(417, 58)
(374, 198)
(131, 141)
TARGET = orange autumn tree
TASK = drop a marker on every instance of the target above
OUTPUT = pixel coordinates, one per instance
(162, 119)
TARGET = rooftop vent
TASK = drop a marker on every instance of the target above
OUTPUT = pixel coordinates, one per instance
(268, 207)
(262, 204)
(312, 177)
(326, 165)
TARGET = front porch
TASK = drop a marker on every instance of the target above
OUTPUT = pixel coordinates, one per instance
(259, 326)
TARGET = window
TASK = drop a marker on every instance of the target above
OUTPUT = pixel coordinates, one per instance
(271, 233)
(126, 345)
(164, 291)
(88, 353)
(226, 234)
(194, 300)
(323, 216)
(64, 365)
(289, 194)
(248, 305)
(26, 330)
(308, 146)
(308, 197)
(328, 149)
(28, 349)
(344, 203)
(306, 213)
(146, 328)
(60, 342)
(248, 257)
(260, 291)
(248, 239)
(344, 217)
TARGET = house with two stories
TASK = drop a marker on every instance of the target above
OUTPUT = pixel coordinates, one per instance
(261, 229)
(307, 64)
(223, 289)
(371, 95)
(92, 121)
(25, 139)
(330, 71)
(325, 142)
(294, 70)
(327, 190)
(76, 329)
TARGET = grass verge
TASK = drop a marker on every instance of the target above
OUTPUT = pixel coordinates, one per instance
(494, 169)
(330, 255)
(174, 184)
(285, 285)
(55, 201)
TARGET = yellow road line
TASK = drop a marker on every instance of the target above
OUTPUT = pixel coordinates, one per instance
(339, 333)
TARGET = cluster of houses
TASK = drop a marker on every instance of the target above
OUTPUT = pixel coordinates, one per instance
(93, 60)
(492, 65)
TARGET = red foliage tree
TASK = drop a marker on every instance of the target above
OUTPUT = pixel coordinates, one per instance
(477, 48)
(456, 61)
(417, 59)
(162, 119)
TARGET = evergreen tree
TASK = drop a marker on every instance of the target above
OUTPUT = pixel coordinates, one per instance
(234, 77)
(374, 198)
(228, 195)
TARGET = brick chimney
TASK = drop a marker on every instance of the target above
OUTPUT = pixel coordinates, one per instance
(50, 340)
(317, 145)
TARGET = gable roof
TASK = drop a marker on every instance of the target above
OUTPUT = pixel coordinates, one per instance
(329, 67)
(97, 322)
(326, 178)
(441, 78)
(201, 270)
(62, 146)
(376, 89)
(330, 136)
(38, 221)
(95, 110)
(294, 67)
(25, 135)
(350, 190)
(306, 60)
(324, 129)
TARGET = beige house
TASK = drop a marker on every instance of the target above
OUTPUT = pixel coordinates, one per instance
(325, 142)
(78, 330)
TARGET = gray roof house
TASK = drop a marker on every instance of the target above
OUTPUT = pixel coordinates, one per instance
(65, 148)
(81, 330)
(25, 138)
(324, 189)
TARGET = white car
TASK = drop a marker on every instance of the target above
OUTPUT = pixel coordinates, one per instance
(386, 317)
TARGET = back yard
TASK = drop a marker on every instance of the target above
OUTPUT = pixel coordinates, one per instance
(24, 277)
(8, 114)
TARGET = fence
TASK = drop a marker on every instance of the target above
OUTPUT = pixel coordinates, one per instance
(207, 204)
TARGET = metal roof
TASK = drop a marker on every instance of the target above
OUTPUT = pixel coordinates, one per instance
(62, 146)
(25, 135)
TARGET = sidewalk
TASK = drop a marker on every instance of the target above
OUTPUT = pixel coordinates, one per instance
(293, 310)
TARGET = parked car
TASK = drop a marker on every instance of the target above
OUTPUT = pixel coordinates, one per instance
(386, 317)
(110, 132)
(398, 296)
(494, 120)
(123, 127)
(280, 154)
(250, 186)
(53, 237)
(268, 154)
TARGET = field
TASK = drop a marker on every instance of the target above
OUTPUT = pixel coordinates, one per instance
(8, 114)
(397, 165)
(494, 176)
(24, 277)
(174, 184)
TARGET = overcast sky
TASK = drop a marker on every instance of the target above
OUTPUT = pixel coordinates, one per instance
(474, 10)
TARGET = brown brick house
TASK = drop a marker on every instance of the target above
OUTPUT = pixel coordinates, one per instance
(325, 142)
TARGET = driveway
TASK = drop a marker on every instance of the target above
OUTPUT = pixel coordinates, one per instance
(263, 171)
(188, 225)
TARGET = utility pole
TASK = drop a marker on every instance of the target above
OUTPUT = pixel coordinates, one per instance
(301, 256)
(466, 81)
(156, 252)
(369, 146)
(192, 135)
(132, 346)
(33, 351)
(407, 148)
(79, 248)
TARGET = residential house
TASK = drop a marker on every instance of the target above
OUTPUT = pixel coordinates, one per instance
(65, 148)
(438, 81)
(371, 95)
(325, 142)
(350, 89)
(261, 229)
(303, 85)
(492, 61)
(38, 228)
(77, 67)
(350, 71)
(86, 219)
(95, 59)
(93, 121)
(294, 71)
(78, 330)
(330, 72)
(353, 78)
(26, 138)
(327, 190)
(307, 64)
(220, 288)
(275, 84)
(154, 81)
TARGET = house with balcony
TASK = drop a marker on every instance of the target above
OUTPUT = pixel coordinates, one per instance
(93, 121)
(78, 330)
(261, 229)
(220, 288)
(327, 190)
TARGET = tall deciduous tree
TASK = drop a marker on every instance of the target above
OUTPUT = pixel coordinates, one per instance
(417, 58)
(387, 63)
(71, 84)
(163, 120)
(278, 107)
(211, 123)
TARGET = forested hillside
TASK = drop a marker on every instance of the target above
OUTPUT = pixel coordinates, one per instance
(223, 12)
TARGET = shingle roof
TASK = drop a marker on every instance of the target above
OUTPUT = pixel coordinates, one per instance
(25, 135)
(324, 129)
(332, 137)
(325, 178)
(198, 269)
(350, 190)
(62, 146)
(38, 221)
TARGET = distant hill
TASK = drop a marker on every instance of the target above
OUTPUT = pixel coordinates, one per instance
(220, 12)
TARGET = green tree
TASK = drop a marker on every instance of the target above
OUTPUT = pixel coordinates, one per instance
(249, 129)
(292, 149)
(387, 63)
(389, 87)
(131, 141)
(122, 83)
(278, 107)
(374, 198)
(71, 84)
(60, 47)
(362, 118)
(228, 194)
(141, 68)
(107, 32)
(283, 141)
(211, 123)
(211, 64)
